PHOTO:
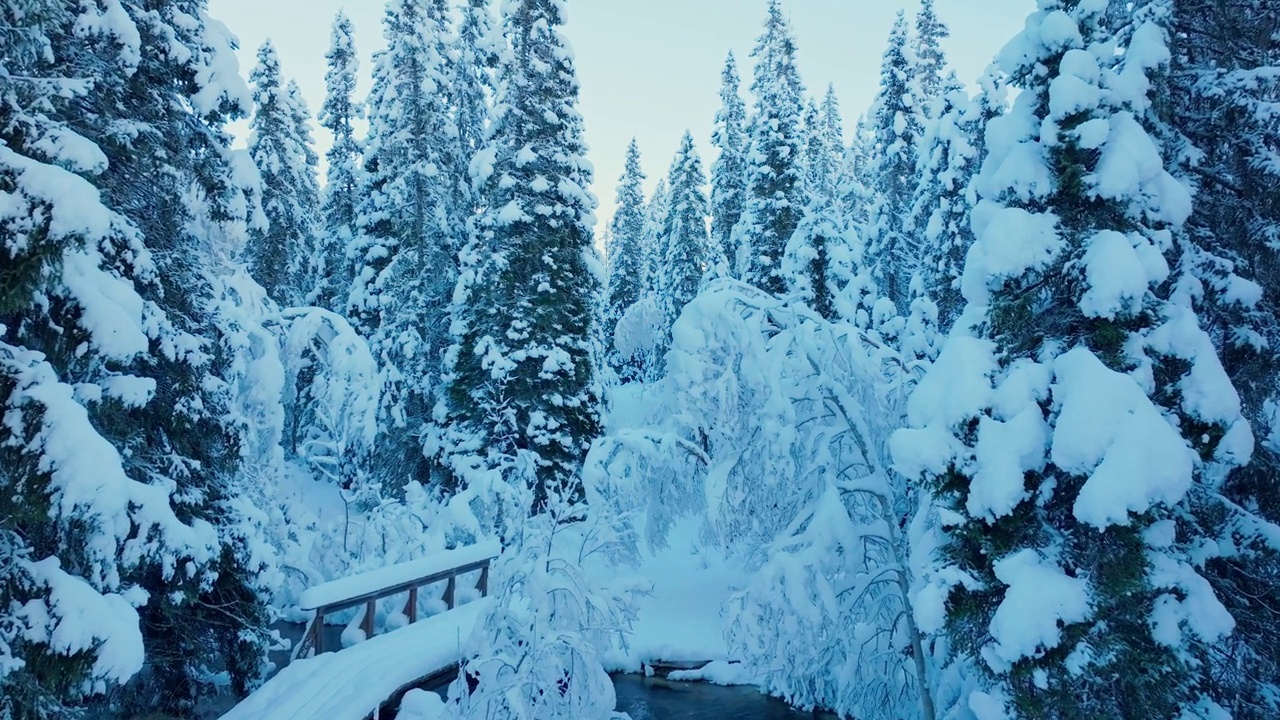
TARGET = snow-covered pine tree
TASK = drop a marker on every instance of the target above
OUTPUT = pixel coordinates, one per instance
(639, 334)
(522, 394)
(655, 219)
(685, 243)
(291, 202)
(281, 147)
(891, 174)
(1091, 403)
(342, 183)
(1217, 105)
(306, 266)
(939, 219)
(775, 173)
(411, 224)
(832, 141)
(624, 253)
(175, 176)
(83, 522)
(939, 223)
(931, 62)
(855, 194)
(729, 171)
(818, 262)
(476, 50)
(816, 165)
(167, 76)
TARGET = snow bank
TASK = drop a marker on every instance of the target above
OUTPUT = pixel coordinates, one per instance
(679, 619)
(717, 672)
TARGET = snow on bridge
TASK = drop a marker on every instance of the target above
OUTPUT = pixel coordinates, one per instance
(354, 683)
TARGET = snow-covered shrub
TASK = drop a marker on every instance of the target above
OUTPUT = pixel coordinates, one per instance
(304, 394)
(654, 474)
(725, 392)
(640, 339)
(748, 375)
(255, 373)
(773, 422)
(825, 620)
(538, 653)
(334, 387)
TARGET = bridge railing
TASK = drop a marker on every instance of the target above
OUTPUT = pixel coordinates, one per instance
(409, 577)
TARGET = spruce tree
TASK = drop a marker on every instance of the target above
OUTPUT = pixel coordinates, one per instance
(1095, 407)
(1213, 105)
(729, 171)
(832, 142)
(824, 152)
(818, 262)
(624, 251)
(685, 243)
(280, 254)
(411, 224)
(306, 262)
(341, 193)
(853, 187)
(896, 127)
(655, 220)
(273, 150)
(89, 522)
(939, 224)
(522, 396)
(816, 165)
(930, 61)
(626, 265)
(189, 196)
(775, 184)
(476, 50)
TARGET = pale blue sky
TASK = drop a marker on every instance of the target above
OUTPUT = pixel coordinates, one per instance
(651, 68)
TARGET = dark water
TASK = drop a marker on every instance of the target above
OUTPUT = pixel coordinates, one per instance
(657, 699)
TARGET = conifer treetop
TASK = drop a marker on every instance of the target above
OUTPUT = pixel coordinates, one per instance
(525, 297)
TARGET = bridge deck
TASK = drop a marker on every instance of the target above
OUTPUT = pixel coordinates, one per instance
(351, 684)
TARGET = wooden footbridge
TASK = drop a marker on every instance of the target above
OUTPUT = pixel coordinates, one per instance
(362, 680)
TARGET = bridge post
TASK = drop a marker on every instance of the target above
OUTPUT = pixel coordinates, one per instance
(317, 632)
(483, 583)
(448, 591)
(370, 609)
(411, 607)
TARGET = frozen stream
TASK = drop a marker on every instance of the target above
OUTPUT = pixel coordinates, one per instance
(657, 699)
(653, 698)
